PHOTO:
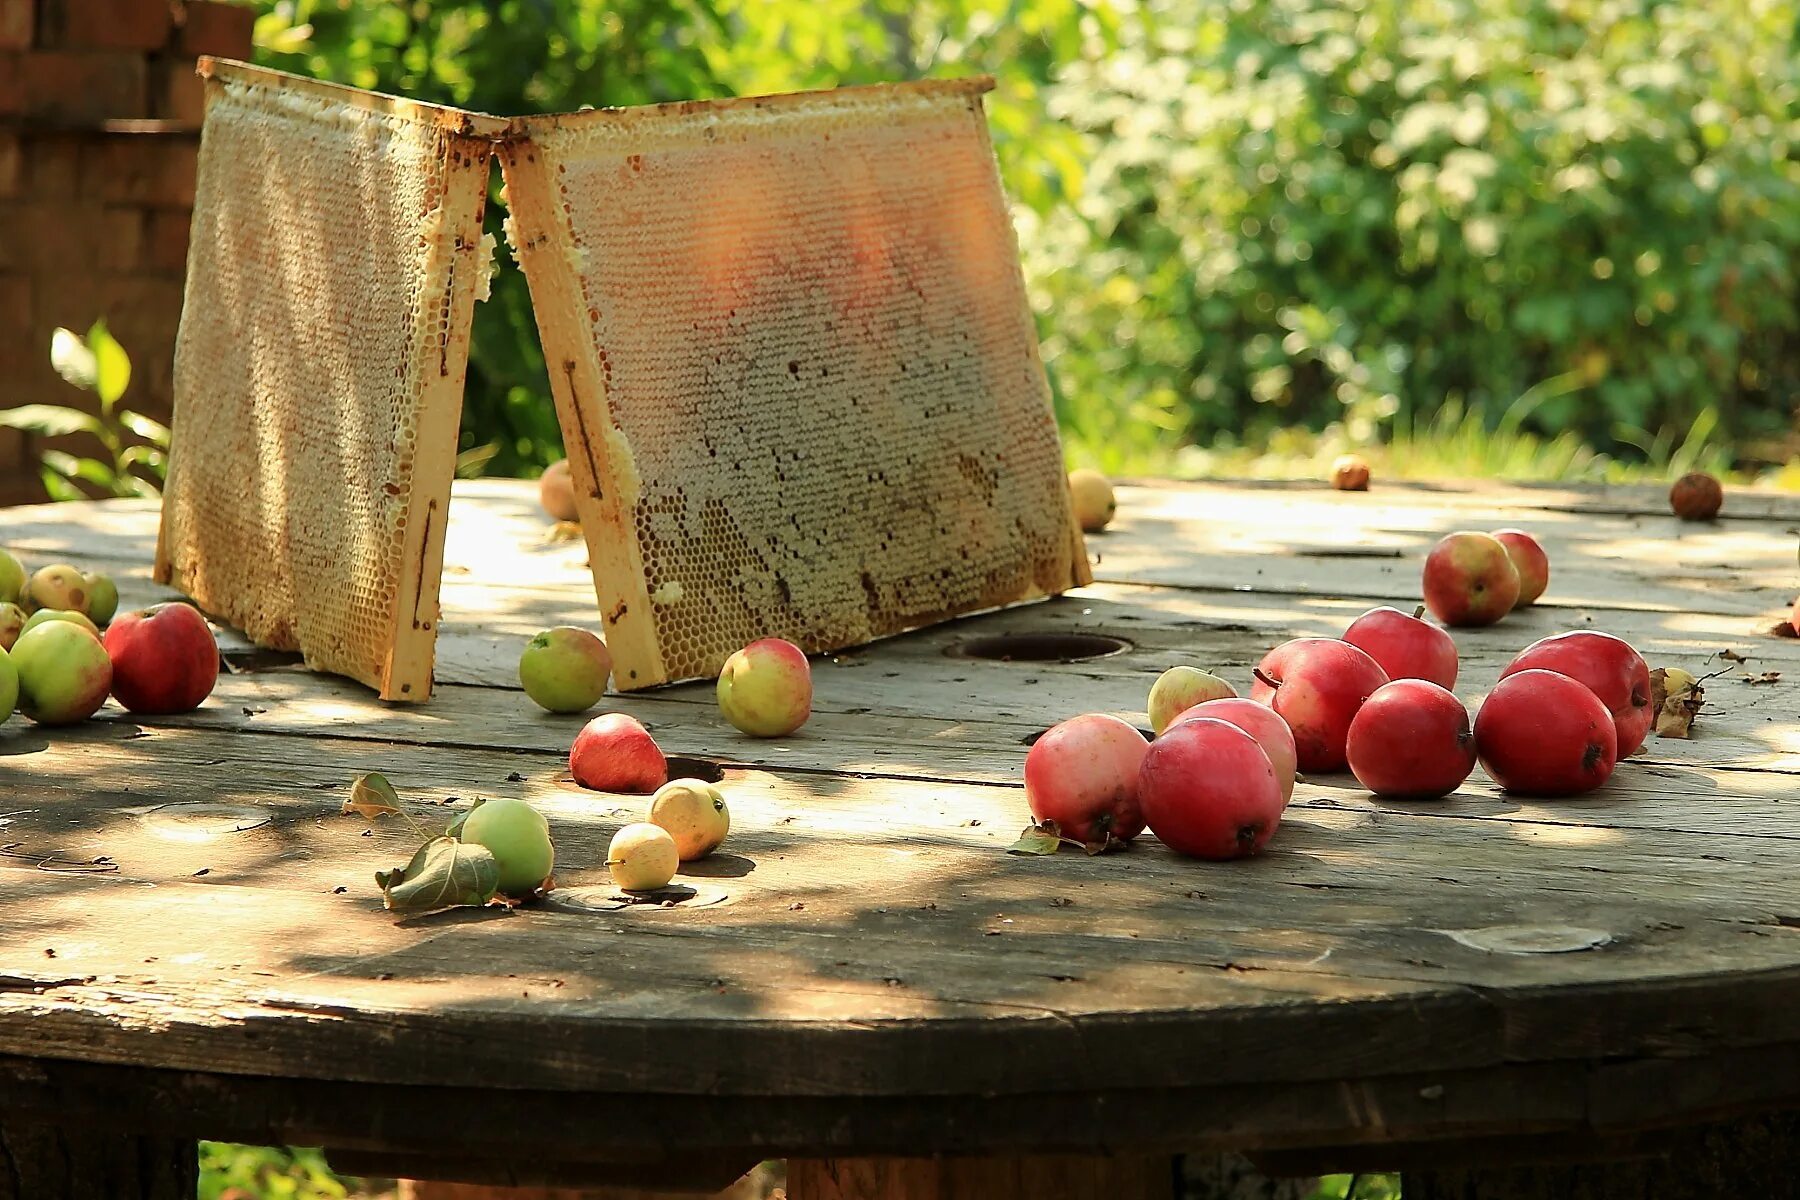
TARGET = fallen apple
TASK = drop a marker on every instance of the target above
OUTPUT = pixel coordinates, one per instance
(1529, 560)
(1083, 774)
(165, 659)
(765, 689)
(1406, 647)
(556, 491)
(1412, 740)
(615, 753)
(56, 586)
(9, 687)
(1350, 473)
(103, 597)
(1180, 688)
(1260, 722)
(12, 579)
(565, 669)
(1470, 579)
(518, 837)
(695, 814)
(1544, 734)
(64, 673)
(12, 623)
(1696, 496)
(1609, 667)
(1317, 685)
(642, 857)
(1092, 495)
(1208, 790)
(43, 615)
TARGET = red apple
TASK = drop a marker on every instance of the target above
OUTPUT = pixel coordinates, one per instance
(1083, 774)
(1405, 647)
(1412, 740)
(615, 753)
(1795, 619)
(164, 659)
(1260, 722)
(1529, 560)
(1544, 734)
(1470, 579)
(1208, 790)
(1609, 667)
(1316, 685)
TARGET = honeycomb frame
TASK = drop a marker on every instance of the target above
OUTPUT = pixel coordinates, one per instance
(698, 271)
(319, 368)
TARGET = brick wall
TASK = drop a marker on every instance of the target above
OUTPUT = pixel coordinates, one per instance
(99, 125)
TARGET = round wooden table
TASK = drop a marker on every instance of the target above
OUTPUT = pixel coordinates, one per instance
(864, 981)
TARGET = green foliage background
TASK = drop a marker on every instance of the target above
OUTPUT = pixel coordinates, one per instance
(1575, 217)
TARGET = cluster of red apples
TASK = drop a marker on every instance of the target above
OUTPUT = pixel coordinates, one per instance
(1216, 778)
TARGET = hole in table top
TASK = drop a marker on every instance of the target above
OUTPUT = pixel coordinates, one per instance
(259, 658)
(681, 767)
(1039, 647)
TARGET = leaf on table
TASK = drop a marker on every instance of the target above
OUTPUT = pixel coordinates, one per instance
(1045, 838)
(1676, 697)
(445, 873)
(1732, 656)
(372, 796)
(1765, 677)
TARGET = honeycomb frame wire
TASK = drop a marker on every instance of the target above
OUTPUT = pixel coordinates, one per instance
(795, 369)
(319, 368)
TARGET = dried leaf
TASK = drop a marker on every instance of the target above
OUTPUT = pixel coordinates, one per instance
(1732, 656)
(372, 796)
(1784, 629)
(1676, 697)
(443, 874)
(1765, 677)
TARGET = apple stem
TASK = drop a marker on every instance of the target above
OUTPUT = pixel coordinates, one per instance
(1418, 612)
(1258, 672)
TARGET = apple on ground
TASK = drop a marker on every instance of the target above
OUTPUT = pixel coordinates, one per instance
(60, 614)
(556, 491)
(642, 857)
(518, 837)
(1260, 722)
(103, 597)
(12, 623)
(1180, 688)
(1696, 496)
(1208, 790)
(615, 753)
(565, 669)
(695, 814)
(1316, 685)
(1529, 560)
(9, 686)
(165, 659)
(1092, 495)
(64, 673)
(1350, 473)
(1609, 667)
(56, 586)
(1794, 620)
(1544, 734)
(1470, 579)
(1412, 740)
(765, 689)
(12, 579)
(1083, 774)
(1406, 647)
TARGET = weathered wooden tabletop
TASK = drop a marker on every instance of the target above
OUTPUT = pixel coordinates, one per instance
(190, 934)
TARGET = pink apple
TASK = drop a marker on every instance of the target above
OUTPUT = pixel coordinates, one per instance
(1412, 739)
(1316, 685)
(1405, 647)
(765, 689)
(164, 659)
(1544, 734)
(1083, 774)
(1470, 579)
(1609, 667)
(1208, 790)
(1529, 560)
(615, 753)
(1260, 722)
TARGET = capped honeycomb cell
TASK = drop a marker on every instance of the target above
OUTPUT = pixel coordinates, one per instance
(319, 368)
(794, 367)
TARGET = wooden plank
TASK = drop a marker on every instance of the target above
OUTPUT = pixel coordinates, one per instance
(40, 1159)
(1036, 1178)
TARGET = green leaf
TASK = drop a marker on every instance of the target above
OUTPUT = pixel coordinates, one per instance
(149, 457)
(151, 431)
(456, 826)
(1038, 839)
(51, 420)
(372, 796)
(58, 487)
(444, 873)
(112, 366)
(73, 360)
(71, 467)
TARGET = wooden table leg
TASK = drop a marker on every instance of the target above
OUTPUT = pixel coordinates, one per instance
(1036, 1178)
(1754, 1158)
(68, 1162)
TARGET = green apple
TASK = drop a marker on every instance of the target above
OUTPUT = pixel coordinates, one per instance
(12, 623)
(642, 857)
(56, 586)
(765, 689)
(12, 578)
(43, 615)
(9, 686)
(64, 673)
(565, 669)
(518, 837)
(103, 597)
(1180, 688)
